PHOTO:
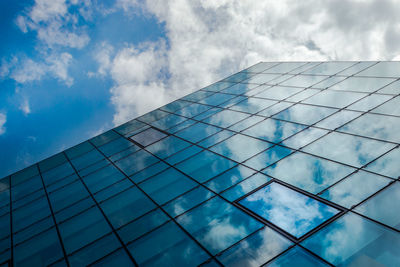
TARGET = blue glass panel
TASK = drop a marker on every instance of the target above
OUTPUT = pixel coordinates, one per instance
(305, 67)
(239, 88)
(356, 68)
(167, 185)
(334, 99)
(262, 78)
(164, 247)
(94, 167)
(168, 121)
(274, 130)
(4, 226)
(268, 157)
(218, 86)
(306, 93)
(126, 206)
(383, 69)
(205, 165)
(74, 209)
(259, 67)
(238, 77)
(124, 153)
(329, 82)
(206, 114)
(375, 126)
(256, 249)
(26, 187)
(115, 146)
(149, 171)
(87, 159)
(390, 108)
(104, 138)
(67, 195)
(354, 241)
(226, 118)
(94, 251)
(246, 123)
(272, 110)
(352, 150)
(78, 150)
(136, 162)
(103, 178)
(297, 257)
(181, 126)
(338, 119)
(232, 102)
(198, 132)
(304, 80)
(253, 105)
(57, 173)
(257, 90)
(240, 147)
(83, 229)
(152, 116)
(349, 192)
(187, 201)
(113, 190)
(148, 136)
(363, 84)
(229, 178)
(129, 127)
(279, 92)
(118, 258)
(167, 146)
(216, 138)
(41, 250)
(192, 110)
(369, 102)
(387, 165)
(176, 105)
(245, 186)
(307, 172)
(217, 224)
(33, 230)
(216, 99)
(28, 199)
(285, 67)
(184, 154)
(142, 225)
(61, 183)
(293, 212)
(305, 114)
(52, 162)
(30, 213)
(196, 96)
(329, 68)
(304, 137)
(384, 206)
(24, 175)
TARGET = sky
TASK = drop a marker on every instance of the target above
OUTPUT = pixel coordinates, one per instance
(72, 69)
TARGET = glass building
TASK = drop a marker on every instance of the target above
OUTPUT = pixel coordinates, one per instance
(283, 164)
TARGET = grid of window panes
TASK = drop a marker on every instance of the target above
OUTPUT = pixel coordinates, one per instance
(279, 164)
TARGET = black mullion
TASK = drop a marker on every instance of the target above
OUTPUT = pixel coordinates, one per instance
(159, 206)
(53, 217)
(11, 226)
(100, 209)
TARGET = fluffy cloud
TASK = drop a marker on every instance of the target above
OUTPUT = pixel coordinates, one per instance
(3, 120)
(208, 40)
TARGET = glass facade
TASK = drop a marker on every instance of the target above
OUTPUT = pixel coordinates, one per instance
(283, 164)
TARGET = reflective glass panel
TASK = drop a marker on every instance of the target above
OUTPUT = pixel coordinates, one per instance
(305, 114)
(240, 147)
(348, 149)
(329, 68)
(268, 157)
(226, 118)
(391, 107)
(218, 225)
(338, 119)
(292, 211)
(307, 172)
(167, 146)
(387, 165)
(279, 92)
(303, 138)
(349, 192)
(334, 99)
(256, 249)
(369, 102)
(362, 84)
(297, 257)
(229, 178)
(303, 80)
(198, 132)
(383, 69)
(384, 207)
(354, 241)
(253, 105)
(356, 68)
(148, 136)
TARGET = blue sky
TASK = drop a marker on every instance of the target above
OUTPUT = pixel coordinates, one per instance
(72, 69)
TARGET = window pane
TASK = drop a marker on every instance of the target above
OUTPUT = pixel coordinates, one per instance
(297, 257)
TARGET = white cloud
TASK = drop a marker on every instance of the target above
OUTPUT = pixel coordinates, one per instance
(103, 56)
(3, 120)
(25, 107)
(55, 64)
(208, 40)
